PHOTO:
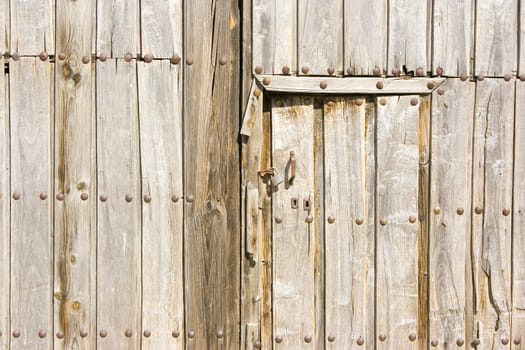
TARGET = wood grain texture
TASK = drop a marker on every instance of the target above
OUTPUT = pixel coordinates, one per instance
(453, 36)
(5, 215)
(32, 26)
(365, 35)
(397, 237)
(518, 235)
(521, 53)
(492, 194)
(246, 51)
(293, 238)
(347, 199)
(496, 37)
(212, 174)
(4, 26)
(274, 36)
(452, 134)
(119, 220)
(408, 37)
(160, 111)
(161, 30)
(320, 36)
(117, 27)
(31, 217)
(75, 175)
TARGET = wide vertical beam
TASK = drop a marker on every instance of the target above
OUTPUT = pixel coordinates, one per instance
(118, 28)
(5, 216)
(32, 27)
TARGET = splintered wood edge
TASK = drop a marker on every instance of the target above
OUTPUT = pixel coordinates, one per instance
(334, 85)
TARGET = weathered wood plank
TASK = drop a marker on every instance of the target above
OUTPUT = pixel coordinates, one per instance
(32, 26)
(521, 53)
(119, 210)
(5, 215)
(365, 36)
(293, 228)
(496, 37)
(453, 37)
(160, 110)
(212, 174)
(161, 31)
(347, 85)
(274, 36)
(31, 207)
(397, 228)
(347, 140)
(320, 37)
(5, 36)
(75, 178)
(492, 197)
(117, 27)
(518, 235)
(452, 132)
(408, 37)
(246, 48)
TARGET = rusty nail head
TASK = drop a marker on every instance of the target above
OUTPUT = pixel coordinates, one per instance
(463, 77)
(305, 70)
(431, 85)
(278, 339)
(507, 77)
(60, 335)
(323, 85)
(175, 334)
(359, 101)
(84, 196)
(517, 341)
(16, 196)
(103, 198)
(350, 71)
(103, 333)
(460, 211)
(382, 337)
(147, 198)
(307, 338)
(412, 219)
(62, 56)
(331, 219)
(359, 221)
(60, 196)
(441, 91)
(481, 77)
(506, 212)
(43, 55)
(147, 333)
(439, 71)
(475, 342)
(191, 334)
(128, 57)
(42, 333)
(190, 198)
(419, 72)
(434, 343)
(278, 219)
(43, 196)
(258, 69)
(175, 59)
(331, 337)
(16, 334)
(102, 57)
(383, 221)
(175, 198)
(257, 344)
(83, 333)
(504, 341)
(286, 70)
(85, 60)
(360, 341)
(460, 342)
(266, 81)
(189, 61)
(437, 210)
(412, 337)
(383, 101)
(376, 71)
(220, 334)
(522, 76)
(309, 219)
(148, 58)
(128, 333)
(379, 85)
(16, 56)
(396, 72)
(478, 210)
(222, 61)
(330, 70)
(414, 101)
(128, 198)
(257, 93)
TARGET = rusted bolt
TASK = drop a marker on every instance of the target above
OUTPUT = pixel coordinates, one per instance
(419, 72)
(331, 219)
(412, 219)
(102, 57)
(15, 56)
(330, 70)
(430, 85)
(307, 338)
(517, 341)
(258, 70)
(434, 343)
(412, 337)
(382, 337)
(257, 344)
(439, 71)
(382, 101)
(460, 211)
(309, 219)
(148, 58)
(257, 93)
(506, 212)
(128, 333)
(522, 76)
(175, 198)
(266, 81)
(323, 85)
(42, 334)
(278, 219)
(359, 221)
(60, 335)
(350, 71)
(383, 221)
(147, 333)
(190, 198)
(504, 341)
(147, 198)
(128, 198)
(463, 77)
(360, 341)
(481, 77)
(43, 56)
(305, 70)
(175, 59)
(478, 210)
(396, 72)
(278, 339)
(43, 196)
(331, 337)
(379, 85)
(83, 333)
(460, 342)
(189, 61)
(414, 101)
(84, 196)
(507, 77)
(175, 334)
(286, 70)
(16, 196)
(376, 71)
(85, 60)
(437, 210)
(222, 61)
(128, 57)
(359, 102)
(103, 197)
(475, 342)
(220, 334)
(62, 56)
(16, 334)
(103, 333)
(441, 91)
(60, 196)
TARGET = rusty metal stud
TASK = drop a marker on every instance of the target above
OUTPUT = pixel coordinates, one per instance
(475, 342)
(396, 72)
(350, 71)
(481, 77)
(148, 58)
(441, 91)
(175, 59)
(504, 341)
(376, 71)
(383, 221)
(84, 196)
(222, 61)
(278, 339)
(266, 81)
(478, 210)
(43, 196)
(522, 76)
(189, 61)
(103, 333)
(305, 70)
(278, 219)
(517, 341)
(102, 57)
(439, 71)
(62, 56)
(379, 85)
(175, 198)
(382, 101)
(83, 333)
(507, 77)
(257, 345)
(175, 334)
(85, 60)
(331, 219)
(43, 55)
(434, 343)
(359, 221)
(431, 85)
(128, 57)
(323, 85)
(15, 56)
(506, 212)
(331, 337)
(460, 342)
(419, 72)
(128, 333)
(412, 219)
(147, 333)
(103, 197)
(42, 334)
(414, 101)
(460, 211)
(258, 70)
(128, 198)
(309, 219)
(190, 198)
(191, 334)
(437, 210)
(359, 102)
(220, 334)
(286, 70)
(463, 77)
(16, 196)
(60, 196)
(147, 198)
(257, 93)
(382, 337)
(330, 70)
(60, 335)
(16, 334)
(307, 338)
(412, 337)
(360, 341)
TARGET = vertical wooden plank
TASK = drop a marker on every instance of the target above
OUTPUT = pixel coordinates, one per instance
(246, 47)
(453, 36)
(365, 33)
(160, 111)
(347, 140)
(31, 207)
(452, 131)
(408, 35)
(75, 178)
(117, 27)
(161, 30)
(274, 43)
(397, 229)
(521, 53)
(492, 198)
(4, 26)
(293, 228)
(32, 26)
(320, 36)
(119, 209)
(496, 37)
(212, 174)
(518, 235)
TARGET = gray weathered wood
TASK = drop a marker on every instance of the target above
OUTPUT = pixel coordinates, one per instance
(161, 27)
(397, 236)
(117, 27)
(320, 36)
(32, 26)
(119, 218)
(293, 239)
(348, 85)
(160, 111)
(4, 210)
(521, 53)
(453, 36)
(246, 51)
(4, 26)
(75, 176)
(492, 194)
(365, 34)
(408, 37)
(274, 35)
(212, 174)
(452, 131)
(347, 181)
(518, 235)
(496, 37)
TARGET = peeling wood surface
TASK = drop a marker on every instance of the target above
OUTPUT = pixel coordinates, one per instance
(119, 216)
(452, 134)
(492, 194)
(320, 45)
(32, 26)
(161, 27)
(5, 215)
(117, 27)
